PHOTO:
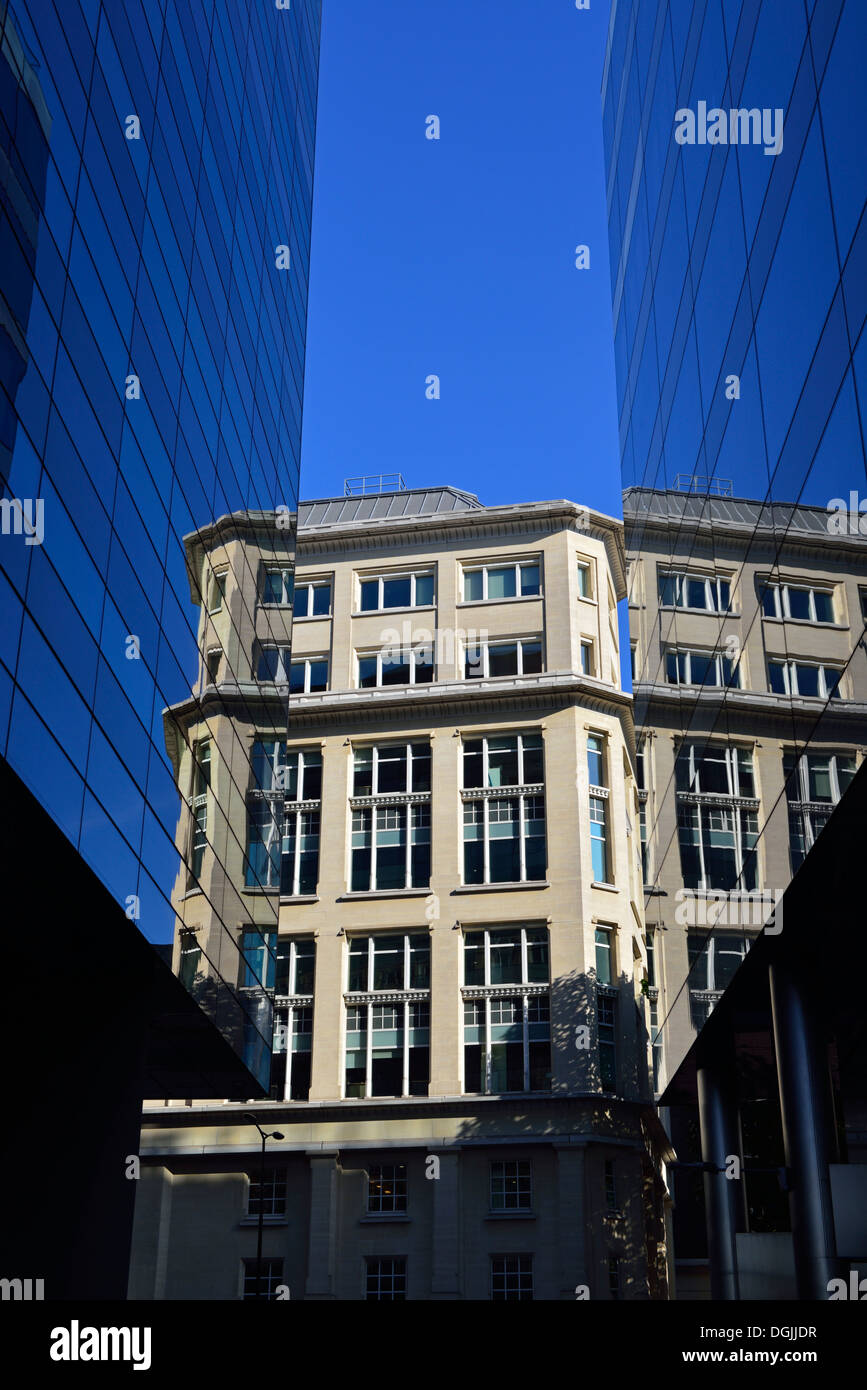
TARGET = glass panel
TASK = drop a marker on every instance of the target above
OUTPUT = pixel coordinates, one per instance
(501, 582)
(473, 585)
(424, 589)
(396, 593)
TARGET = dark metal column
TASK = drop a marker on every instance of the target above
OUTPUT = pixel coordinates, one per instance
(806, 1115)
(717, 1114)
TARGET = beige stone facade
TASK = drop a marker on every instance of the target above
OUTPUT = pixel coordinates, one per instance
(462, 1074)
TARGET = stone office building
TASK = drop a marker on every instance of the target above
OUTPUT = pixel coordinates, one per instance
(449, 836)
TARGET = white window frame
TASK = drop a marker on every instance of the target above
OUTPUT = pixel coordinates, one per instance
(276, 1180)
(213, 677)
(519, 642)
(283, 662)
(715, 658)
(423, 647)
(585, 584)
(287, 579)
(401, 1000)
(790, 666)
(713, 603)
(523, 1184)
(485, 795)
(472, 568)
(217, 595)
(489, 995)
(587, 657)
(780, 589)
(381, 579)
(308, 662)
(310, 585)
(299, 807)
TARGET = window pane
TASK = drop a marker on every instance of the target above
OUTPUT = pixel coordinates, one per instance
(396, 592)
(424, 589)
(318, 675)
(501, 582)
(473, 585)
(505, 957)
(530, 579)
(502, 762)
(799, 603)
(369, 595)
(808, 679)
(321, 600)
(532, 658)
(824, 608)
(776, 677)
(503, 659)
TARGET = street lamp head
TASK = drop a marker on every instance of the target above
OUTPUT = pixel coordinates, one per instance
(275, 1134)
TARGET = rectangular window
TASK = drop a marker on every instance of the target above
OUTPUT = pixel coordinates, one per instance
(512, 580)
(583, 579)
(507, 1026)
(512, 1278)
(610, 1185)
(218, 591)
(814, 784)
(388, 1042)
(380, 592)
(395, 666)
(262, 1280)
(599, 843)
(713, 960)
(687, 667)
(190, 959)
(267, 1193)
(606, 1013)
(504, 836)
(278, 587)
(273, 664)
(258, 958)
(511, 1186)
(805, 679)
(312, 599)
(283, 818)
(386, 1278)
(681, 589)
(522, 657)
(212, 664)
(293, 1026)
(587, 658)
(390, 843)
(308, 677)
(386, 1187)
(201, 781)
(798, 602)
(604, 956)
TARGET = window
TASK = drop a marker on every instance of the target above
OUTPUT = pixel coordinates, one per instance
(512, 1186)
(267, 1193)
(386, 1278)
(504, 836)
(388, 1040)
(258, 958)
(218, 591)
(501, 581)
(604, 956)
(390, 844)
(614, 1276)
(584, 590)
(507, 1026)
(262, 1280)
(199, 807)
(312, 600)
(278, 587)
(273, 664)
(512, 1278)
(308, 677)
(681, 589)
(797, 601)
(587, 658)
(283, 818)
(713, 960)
(814, 784)
(293, 1018)
(716, 830)
(523, 657)
(395, 666)
(805, 679)
(190, 959)
(599, 848)
(606, 1011)
(386, 1187)
(212, 664)
(414, 590)
(610, 1186)
(687, 667)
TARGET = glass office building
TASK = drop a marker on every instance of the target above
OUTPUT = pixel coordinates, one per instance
(734, 135)
(154, 254)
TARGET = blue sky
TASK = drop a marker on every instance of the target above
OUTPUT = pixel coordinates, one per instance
(456, 257)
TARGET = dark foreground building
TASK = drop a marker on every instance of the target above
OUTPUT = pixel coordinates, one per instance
(154, 250)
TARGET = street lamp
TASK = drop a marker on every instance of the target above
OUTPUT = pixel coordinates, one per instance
(265, 1136)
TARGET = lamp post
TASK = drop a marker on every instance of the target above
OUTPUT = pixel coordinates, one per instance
(265, 1136)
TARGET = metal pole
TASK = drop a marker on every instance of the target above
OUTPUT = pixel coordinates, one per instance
(259, 1293)
(717, 1115)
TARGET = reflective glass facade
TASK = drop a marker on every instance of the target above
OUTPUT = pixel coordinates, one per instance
(734, 136)
(155, 223)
